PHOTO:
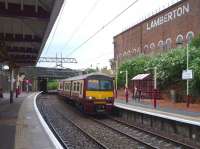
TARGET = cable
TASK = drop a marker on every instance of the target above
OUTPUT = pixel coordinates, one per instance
(79, 26)
(104, 26)
(56, 26)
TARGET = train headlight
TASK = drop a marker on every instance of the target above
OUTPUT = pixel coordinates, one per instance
(89, 97)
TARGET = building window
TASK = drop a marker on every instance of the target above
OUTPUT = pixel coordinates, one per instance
(190, 36)
(160, 44)
(134, 51)
(152, 46)
(168, 43)
(146, 47)
(179, 41)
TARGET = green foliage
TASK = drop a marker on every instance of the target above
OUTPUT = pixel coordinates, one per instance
(196, 42)
(52, 85)
(169, 66)
(89, 70)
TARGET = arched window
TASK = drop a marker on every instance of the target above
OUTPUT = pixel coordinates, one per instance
(152, 46)
(189, 36)
(146, 47)
(168, 43)
(179, 40)
(160, 44)
(134, 51)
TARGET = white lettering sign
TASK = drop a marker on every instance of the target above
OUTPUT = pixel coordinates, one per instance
(187, 75)
(172, 15)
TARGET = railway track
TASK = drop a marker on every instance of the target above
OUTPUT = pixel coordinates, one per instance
(184, 145)
(150, 139)
(99, 133)
(53, 116)
(62, 113)
(53, 129)
(101, 145)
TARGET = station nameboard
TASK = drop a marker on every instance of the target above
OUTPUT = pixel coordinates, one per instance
(187, 75)
(169, 16)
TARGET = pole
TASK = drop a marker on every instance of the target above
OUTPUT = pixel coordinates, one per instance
(126, 79)
(126, 87)
(155, 86)
(116, 77)
(188, 96)
(11, 83)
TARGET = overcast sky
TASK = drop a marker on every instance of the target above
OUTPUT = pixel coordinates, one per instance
(80, 19)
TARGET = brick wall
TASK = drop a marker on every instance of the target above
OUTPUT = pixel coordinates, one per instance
(160, 32)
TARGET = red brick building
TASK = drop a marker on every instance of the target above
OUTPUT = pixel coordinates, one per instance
(172, 27)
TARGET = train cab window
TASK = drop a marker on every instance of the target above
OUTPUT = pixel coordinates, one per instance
(106, 85)
(93, 85)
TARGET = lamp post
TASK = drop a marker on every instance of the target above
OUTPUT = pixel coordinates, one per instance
(155, 86)
(126, 85)
(188, 96)
(116, 78)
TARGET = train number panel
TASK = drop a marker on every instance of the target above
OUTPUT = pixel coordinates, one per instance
(93, 93)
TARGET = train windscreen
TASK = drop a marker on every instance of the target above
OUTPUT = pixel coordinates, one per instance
(104, 85)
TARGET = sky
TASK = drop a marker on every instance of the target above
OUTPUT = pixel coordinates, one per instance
(80, 19)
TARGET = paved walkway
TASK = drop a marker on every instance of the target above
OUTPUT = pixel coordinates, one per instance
(19, 126)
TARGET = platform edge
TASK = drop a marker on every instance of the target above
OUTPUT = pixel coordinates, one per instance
(53, 139)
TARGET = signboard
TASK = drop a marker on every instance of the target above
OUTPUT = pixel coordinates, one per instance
(169, 16)
(187, 75)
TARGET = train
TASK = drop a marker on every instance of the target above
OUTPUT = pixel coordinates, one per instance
(92, 93)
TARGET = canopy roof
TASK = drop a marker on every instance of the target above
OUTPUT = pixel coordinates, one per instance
(24, 28)
(141, 76)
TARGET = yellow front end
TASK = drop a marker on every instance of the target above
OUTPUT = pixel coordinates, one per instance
(100, 101)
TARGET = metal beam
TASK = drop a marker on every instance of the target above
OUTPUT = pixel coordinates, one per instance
(19, 37)
(28, 11)
(22, 54)
(22, 50)
(57, 60)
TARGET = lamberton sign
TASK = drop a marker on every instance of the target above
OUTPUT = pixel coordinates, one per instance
(169, 16)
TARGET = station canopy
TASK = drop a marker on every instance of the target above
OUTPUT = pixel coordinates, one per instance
(24, 28)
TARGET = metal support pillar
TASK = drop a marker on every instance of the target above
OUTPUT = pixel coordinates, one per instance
(11, 83)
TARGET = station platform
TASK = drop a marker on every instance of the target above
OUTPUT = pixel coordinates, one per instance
(184, 114)
(20, 126)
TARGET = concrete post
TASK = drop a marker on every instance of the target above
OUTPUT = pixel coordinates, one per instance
(11, 83)
(1, 85)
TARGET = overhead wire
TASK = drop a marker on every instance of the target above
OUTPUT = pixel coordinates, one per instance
(103, 27)
(81, 23)
(56, 26)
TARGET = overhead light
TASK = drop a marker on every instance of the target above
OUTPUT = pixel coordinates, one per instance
(5, 67)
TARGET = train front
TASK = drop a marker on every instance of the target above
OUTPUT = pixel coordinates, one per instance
(99, 95)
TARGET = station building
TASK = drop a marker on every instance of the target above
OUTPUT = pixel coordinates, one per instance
(172, 27)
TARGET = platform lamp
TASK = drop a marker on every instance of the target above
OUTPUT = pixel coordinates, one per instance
(126, 85)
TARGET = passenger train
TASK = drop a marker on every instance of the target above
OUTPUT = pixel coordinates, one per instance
(92, 93)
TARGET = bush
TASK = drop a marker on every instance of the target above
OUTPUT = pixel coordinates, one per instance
(52, 85)
(169, 66)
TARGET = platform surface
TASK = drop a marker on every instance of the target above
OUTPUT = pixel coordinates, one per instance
(19, 125)
(184, 116)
